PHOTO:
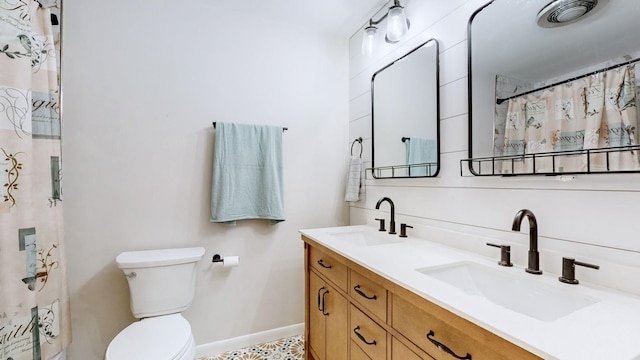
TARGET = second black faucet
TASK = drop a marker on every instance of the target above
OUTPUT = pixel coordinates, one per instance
(534, 256)
(392, 221)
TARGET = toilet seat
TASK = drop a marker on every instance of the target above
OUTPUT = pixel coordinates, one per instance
(162, 337)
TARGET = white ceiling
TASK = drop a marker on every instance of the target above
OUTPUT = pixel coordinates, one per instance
(506, 39)
(336, 17)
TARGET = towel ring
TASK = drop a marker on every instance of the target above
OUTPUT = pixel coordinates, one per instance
(359, 140)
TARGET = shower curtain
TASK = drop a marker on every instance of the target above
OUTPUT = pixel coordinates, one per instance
(34, 306)
(612, 118)
(597, 112)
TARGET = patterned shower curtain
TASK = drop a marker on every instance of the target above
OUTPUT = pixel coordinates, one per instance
(34, 303)
(597, 112)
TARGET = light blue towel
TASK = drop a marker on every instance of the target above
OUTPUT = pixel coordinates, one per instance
(247, 173)
(420, 151)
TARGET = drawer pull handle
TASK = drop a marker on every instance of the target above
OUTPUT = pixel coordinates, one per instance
(362, 337)
(319, 290)
(357, 289)
(445, 348)
(323, 264)
(324, 294)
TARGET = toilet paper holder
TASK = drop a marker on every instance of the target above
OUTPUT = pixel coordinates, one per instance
(227, 261)
(217, 258)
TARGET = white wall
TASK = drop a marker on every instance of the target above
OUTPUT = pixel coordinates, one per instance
(142, 82)
(593, 218)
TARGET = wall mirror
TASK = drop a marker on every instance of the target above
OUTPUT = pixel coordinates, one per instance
(405, 115)
(552, 87)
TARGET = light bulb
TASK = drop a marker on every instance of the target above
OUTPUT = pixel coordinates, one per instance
(368, 39)
(396, 23)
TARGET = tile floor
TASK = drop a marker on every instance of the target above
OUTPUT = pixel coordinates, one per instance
(291, 348)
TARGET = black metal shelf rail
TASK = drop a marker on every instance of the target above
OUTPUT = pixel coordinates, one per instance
(403, 171)
(495, 166)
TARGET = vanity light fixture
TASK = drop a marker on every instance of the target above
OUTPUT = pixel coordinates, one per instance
(397, 27)
(562, 12)
(368, 39)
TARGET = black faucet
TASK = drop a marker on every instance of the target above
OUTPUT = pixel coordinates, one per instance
(534, 256)
(392, 221)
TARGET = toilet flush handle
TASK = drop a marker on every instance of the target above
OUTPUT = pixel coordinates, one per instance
(131, 275)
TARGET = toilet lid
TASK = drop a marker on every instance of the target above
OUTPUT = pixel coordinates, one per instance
(162, 337)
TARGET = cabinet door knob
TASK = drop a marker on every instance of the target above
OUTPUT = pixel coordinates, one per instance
(444, 347)
(324, 304)
(321, 263)
(362, 337)
(361, 293)
(319, 296)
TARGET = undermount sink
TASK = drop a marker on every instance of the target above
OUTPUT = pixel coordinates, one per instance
(514, 291)
(365, 236)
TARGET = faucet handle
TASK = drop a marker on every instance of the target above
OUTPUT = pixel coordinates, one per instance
(505, 254)
(569, 270)
(381, 225)
(403, 229)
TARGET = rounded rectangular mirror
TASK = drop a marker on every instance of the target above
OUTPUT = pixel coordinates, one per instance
(405, 115)
(552, 87)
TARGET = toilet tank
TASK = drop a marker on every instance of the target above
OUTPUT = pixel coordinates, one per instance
(160, 281)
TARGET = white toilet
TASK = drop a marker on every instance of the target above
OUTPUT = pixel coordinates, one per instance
(162, 284)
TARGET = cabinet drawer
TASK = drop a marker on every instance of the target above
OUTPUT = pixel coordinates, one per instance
(436, 330)
(400, 352)
(368, 335)
(356, 353)
(333, 270)
(369, 294)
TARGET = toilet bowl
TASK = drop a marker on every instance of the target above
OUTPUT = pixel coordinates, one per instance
(162, 337)
(162, 285)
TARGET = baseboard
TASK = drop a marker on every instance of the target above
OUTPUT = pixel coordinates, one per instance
(239, 342)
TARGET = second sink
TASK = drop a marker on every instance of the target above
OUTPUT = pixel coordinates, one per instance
(513, 291)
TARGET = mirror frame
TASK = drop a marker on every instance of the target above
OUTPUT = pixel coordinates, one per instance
(469, 89)
(470, 159)
(437, 114)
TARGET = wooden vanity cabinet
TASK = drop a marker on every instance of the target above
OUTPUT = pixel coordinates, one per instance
(367, 334)
(400, 351)
(368, 294)
(356, 353)
(354, 313)
(433, 329)
(327, 312)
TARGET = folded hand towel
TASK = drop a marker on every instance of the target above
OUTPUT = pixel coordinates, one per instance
(247, 173)
(354, 179)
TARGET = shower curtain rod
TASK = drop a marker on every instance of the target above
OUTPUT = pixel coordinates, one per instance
(283, 129)
(500, 101)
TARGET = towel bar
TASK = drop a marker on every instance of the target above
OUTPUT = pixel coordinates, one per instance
(283, 129)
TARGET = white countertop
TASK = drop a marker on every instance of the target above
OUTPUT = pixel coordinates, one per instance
(608, 329)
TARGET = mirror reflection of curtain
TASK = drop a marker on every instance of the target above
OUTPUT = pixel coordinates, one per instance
(34, 310)
(566, 132)
(612, 118)
(514, 134)
(506, 87)
(591, 113)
